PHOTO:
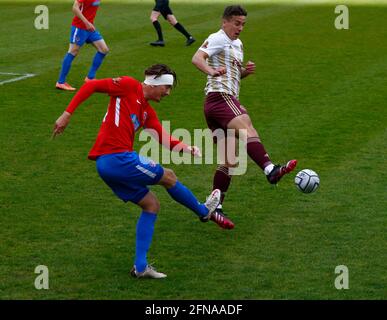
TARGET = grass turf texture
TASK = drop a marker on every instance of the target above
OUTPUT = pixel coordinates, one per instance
(318, 95)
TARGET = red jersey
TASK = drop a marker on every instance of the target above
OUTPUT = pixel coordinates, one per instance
(127, 112)
(89, 10)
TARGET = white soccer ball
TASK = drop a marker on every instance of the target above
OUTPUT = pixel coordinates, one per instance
(307, 181)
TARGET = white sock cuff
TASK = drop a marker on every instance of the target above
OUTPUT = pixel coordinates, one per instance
(268, 168)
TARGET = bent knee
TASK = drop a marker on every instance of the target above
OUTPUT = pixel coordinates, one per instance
(251, 132)
(170, 174)
(74, 51)
(172, 19)
(153, 206)
(230, 164)
(149, 203)
(169, 178)
(154, 17)
(104, 50)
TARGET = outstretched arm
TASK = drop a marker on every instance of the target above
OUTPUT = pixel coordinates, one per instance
(113, 87)
(77, 11)
(154, 126)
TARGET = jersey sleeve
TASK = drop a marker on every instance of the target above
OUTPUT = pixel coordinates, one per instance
(153, 123)
(213, 45)
(121, 86)
(113, 87)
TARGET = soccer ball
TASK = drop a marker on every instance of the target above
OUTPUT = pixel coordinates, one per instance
(307, 181)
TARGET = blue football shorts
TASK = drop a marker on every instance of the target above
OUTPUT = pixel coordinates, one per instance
(80, 36)
(128, 174)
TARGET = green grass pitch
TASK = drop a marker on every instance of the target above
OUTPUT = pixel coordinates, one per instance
(319, 95)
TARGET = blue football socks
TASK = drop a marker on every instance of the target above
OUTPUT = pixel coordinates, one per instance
(184, 196)
(66, 65)
(97, 61)
(144, 234)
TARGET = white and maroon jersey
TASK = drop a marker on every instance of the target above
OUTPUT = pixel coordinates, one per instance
(224, 52)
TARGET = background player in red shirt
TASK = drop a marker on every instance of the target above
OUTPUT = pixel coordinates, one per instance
(122, 169)
(83, 30)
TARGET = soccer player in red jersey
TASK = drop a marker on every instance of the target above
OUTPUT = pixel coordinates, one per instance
(83, 31)
(122, 169)
(221, 58)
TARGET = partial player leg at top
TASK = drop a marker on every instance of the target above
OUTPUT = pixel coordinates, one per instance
(162, 8)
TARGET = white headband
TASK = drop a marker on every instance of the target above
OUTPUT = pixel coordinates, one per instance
(165, 79)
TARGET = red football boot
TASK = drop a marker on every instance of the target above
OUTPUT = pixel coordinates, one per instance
(279, 171)
(220, 219)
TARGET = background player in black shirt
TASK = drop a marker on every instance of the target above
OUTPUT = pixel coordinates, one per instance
(162, 7)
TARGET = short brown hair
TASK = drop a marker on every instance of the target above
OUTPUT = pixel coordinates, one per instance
(159, 69)
(235, 10)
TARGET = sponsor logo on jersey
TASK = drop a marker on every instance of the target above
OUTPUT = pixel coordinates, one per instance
(135, 121)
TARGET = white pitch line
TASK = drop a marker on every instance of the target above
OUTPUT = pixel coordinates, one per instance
(22, 76)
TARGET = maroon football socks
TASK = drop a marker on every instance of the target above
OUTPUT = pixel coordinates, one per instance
(257, 152)
(222, 180)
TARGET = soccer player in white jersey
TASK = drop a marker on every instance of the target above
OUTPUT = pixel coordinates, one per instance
(221, 58)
